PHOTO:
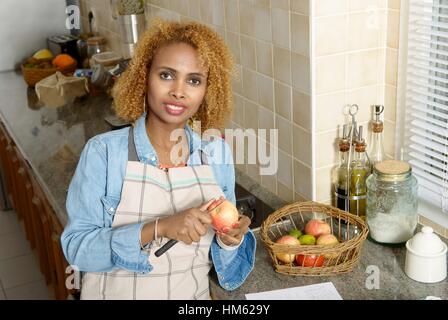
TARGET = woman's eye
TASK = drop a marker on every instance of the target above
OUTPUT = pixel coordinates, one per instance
(165, 76)
(196, 82)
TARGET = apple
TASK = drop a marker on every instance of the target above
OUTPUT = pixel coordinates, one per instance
(311, 260)
(317, 228)
(286, 257)
(224, 215)
(327, 240)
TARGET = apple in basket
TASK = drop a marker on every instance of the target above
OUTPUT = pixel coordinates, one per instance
(317, 228)
(291, 240)
(310, 260)
(224, 215)
(328, 240)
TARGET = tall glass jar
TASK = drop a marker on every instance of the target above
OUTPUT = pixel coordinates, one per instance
(391, 212)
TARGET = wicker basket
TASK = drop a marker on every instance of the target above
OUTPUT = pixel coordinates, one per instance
(350, 230)
(34, 75)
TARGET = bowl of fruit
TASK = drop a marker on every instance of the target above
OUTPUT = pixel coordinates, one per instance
(43, 64)
(313, 239)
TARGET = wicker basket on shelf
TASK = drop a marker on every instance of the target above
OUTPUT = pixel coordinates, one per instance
(34, 75)
(350, 230)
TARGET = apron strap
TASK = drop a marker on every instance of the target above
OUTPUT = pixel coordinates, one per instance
(204, 158)
(132, 152)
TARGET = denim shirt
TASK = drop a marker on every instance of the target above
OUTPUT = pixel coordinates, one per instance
(91, 244)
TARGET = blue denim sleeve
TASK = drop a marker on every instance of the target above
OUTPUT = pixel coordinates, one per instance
(88, 240)
(233, 267)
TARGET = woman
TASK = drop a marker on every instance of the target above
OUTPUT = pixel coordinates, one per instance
(136, 188)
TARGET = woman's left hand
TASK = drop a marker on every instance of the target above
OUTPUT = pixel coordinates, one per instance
(234, 235)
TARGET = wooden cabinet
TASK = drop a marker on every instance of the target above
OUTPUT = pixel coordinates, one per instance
(39, 220)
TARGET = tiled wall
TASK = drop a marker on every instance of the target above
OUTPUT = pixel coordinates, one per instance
(355, 51)
(351, 44)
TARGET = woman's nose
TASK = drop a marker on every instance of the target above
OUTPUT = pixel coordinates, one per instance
(178, 90)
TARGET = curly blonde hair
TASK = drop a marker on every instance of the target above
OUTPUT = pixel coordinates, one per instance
(129, 91)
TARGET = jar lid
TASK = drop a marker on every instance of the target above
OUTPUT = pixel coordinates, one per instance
(426, 243)
(96, 40)
(392, 170)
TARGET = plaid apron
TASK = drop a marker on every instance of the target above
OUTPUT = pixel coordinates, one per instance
(148, 193)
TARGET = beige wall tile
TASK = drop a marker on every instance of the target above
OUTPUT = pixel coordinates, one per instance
(179, 6)
(250, 84)
(280, 27)
(269, 182)
(330, 111)
(394, 4)
(331, 35)
(281, 4)
(300, 198)
(301, 78)
(250, 115)
(302, 145)
(285, 193)
(391, 66)
(284, 134)
(218, 14)
(195, 9)
(253, 171)
(263, 29)
(206, 11)
(330, 74)
(365, 30)
(390, 103)
(264, 3)
(231, 15)
(266, 119)
(363, 68)
(393, 28)
(285, 173)
(302, 179)
(364, 97)
(300, 6)
(237, 82)
(329, 7)
(323, 184)
(266, 91)
(247, 21)
(283, 100)
(389, 137)
(248, 58)
(301, 109)
(327, 148)
(356, 5)
(238, 109)
(282, 65)
(300, 37)
(264, 58)
(233, 41)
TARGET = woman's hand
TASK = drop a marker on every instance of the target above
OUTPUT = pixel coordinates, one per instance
(187, 226)
(234, 236)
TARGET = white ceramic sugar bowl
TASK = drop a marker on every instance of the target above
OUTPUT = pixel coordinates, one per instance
(426, 257)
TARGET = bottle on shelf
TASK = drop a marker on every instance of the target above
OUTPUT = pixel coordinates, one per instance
(342, 171)
(376, 148)
(359, 171)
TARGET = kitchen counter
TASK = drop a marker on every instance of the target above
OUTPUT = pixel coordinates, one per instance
(52, 140)
(389, 261)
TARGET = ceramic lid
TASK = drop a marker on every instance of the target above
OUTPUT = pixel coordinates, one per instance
(426, 242)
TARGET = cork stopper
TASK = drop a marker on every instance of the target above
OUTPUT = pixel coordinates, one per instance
(392, 167)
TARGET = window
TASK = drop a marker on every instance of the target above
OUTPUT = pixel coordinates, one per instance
(422, 121)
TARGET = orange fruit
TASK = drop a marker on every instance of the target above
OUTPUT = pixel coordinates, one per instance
(62, 61)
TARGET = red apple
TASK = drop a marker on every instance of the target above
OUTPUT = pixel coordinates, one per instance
(312, 260)
(286, 257)
(317, 228)
(224, 215)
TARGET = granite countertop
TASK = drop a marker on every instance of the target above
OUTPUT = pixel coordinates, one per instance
(52, 140)
(384, 261)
